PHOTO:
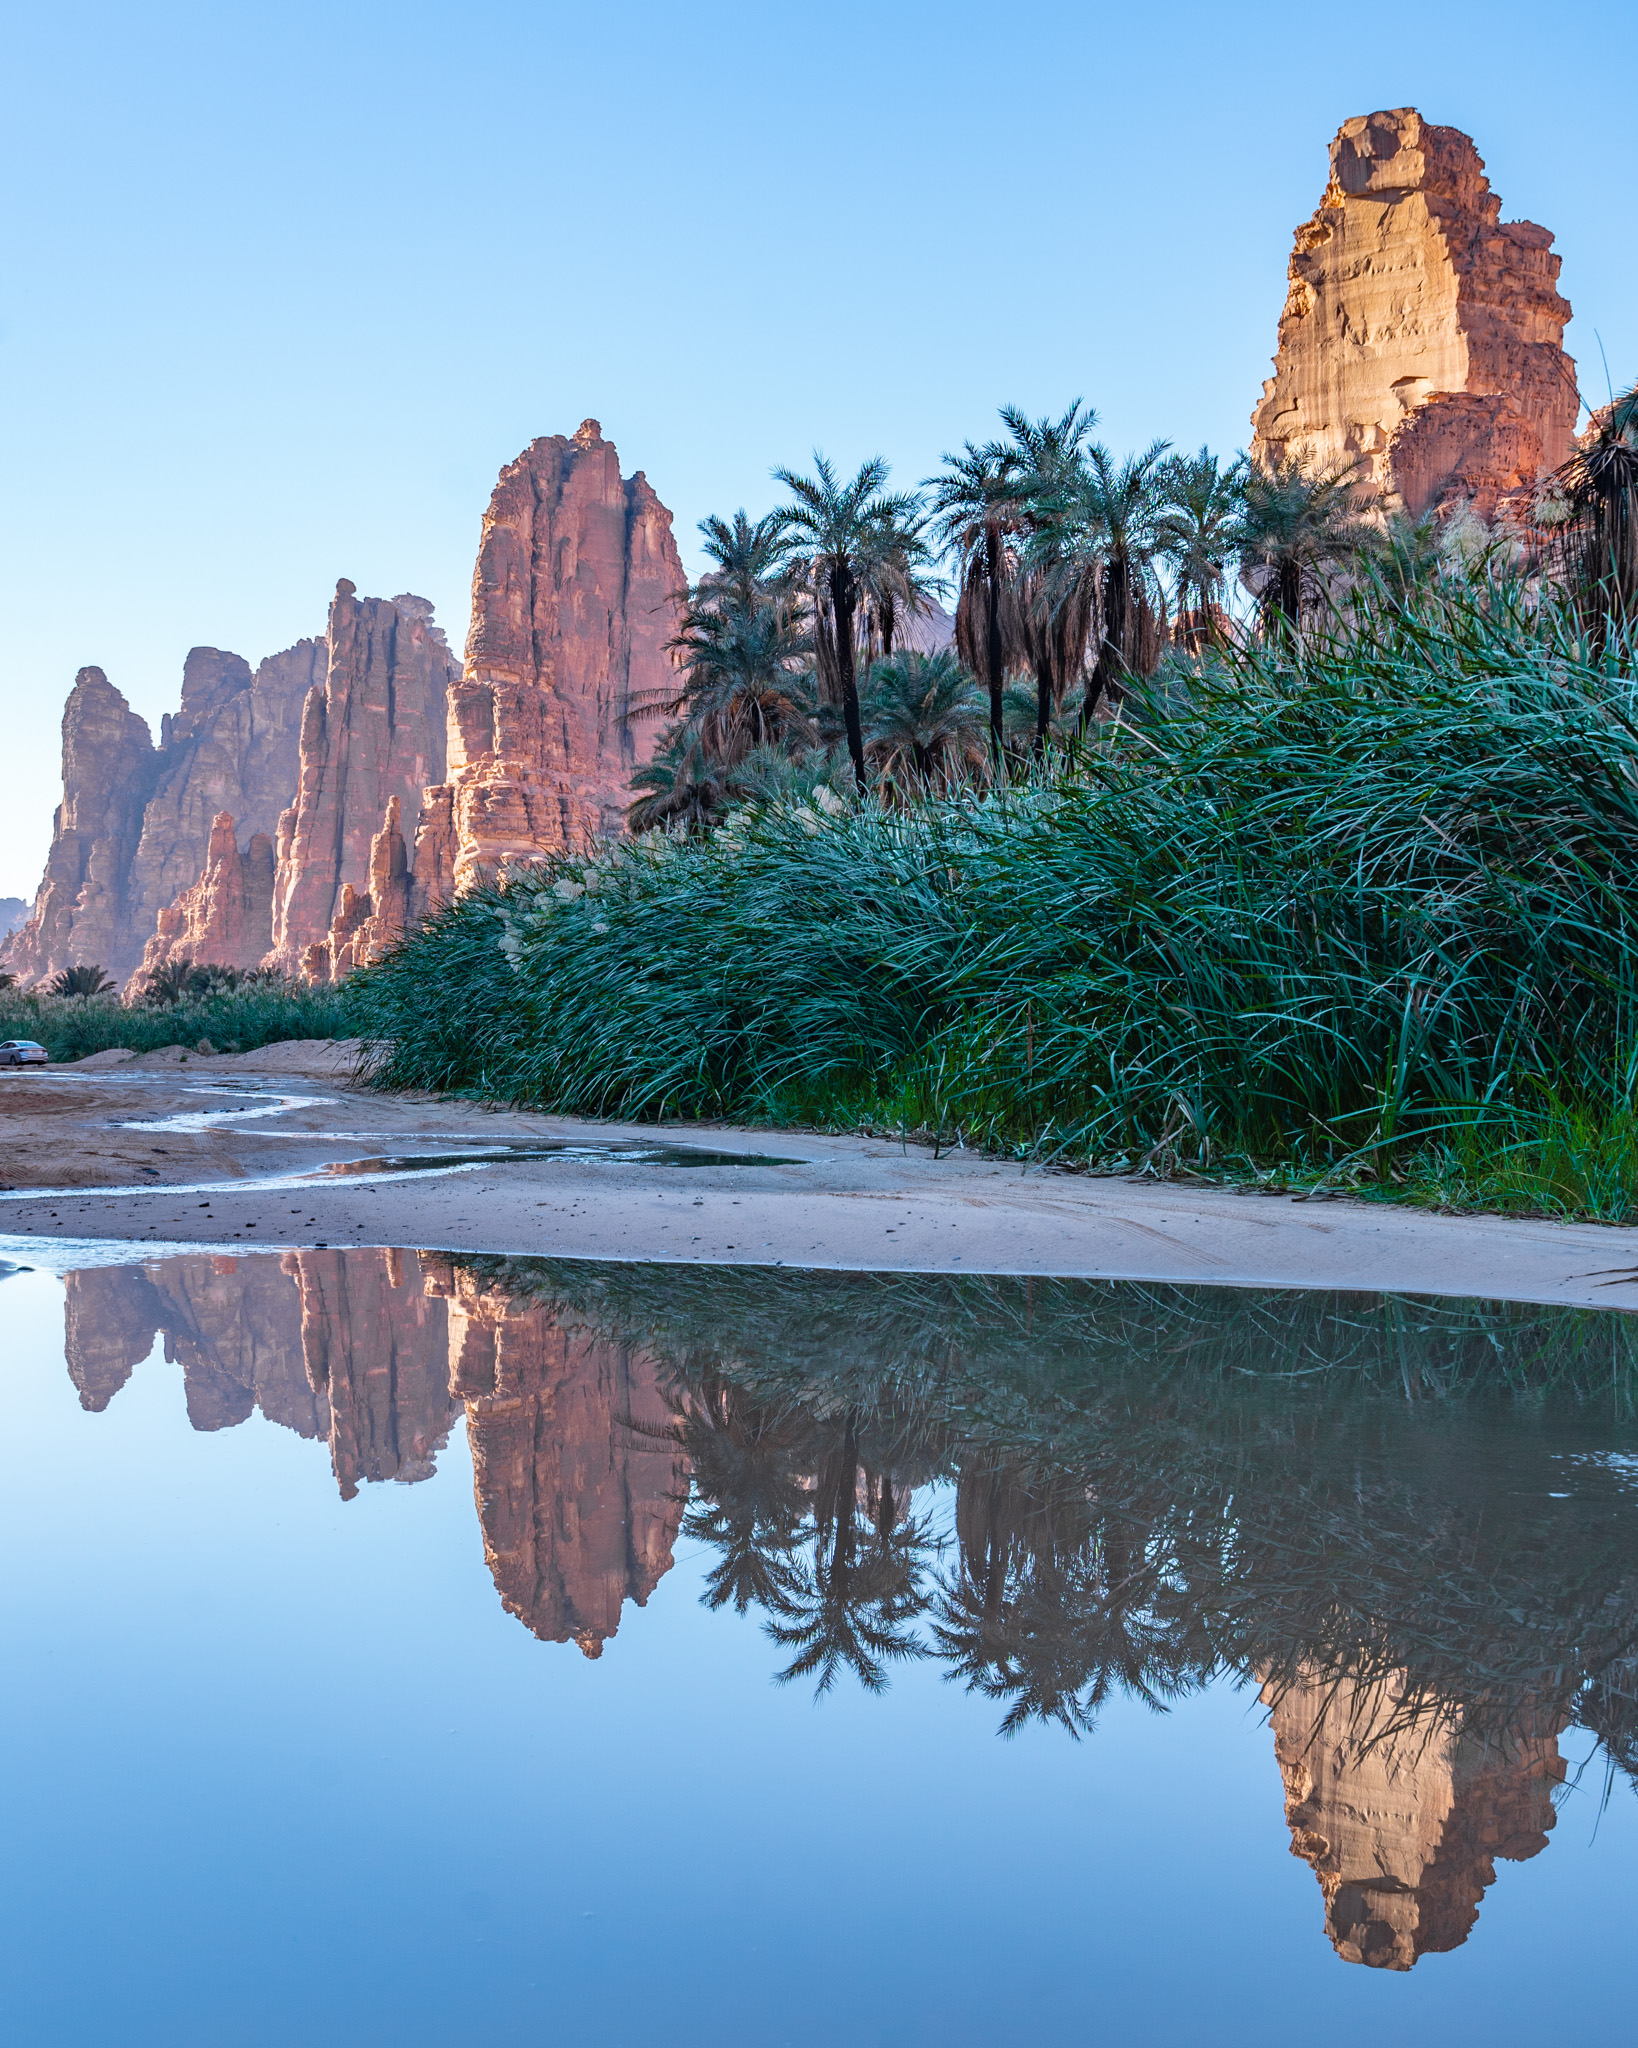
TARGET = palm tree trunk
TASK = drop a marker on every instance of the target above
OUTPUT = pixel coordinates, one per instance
(995, 655)
(1046, 695)
(842, 596)
(1288, 595)
(1107, 683)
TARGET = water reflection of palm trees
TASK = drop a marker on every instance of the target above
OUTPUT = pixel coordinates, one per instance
(1410, 1525)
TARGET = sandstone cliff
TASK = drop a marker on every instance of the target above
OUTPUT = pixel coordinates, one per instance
(82, 910)
(1402, 1818)
(226, 917)
(1422, 335)
(580, 1487)
(372, 735)
(572, 604)
(231, 748)
(133, 831)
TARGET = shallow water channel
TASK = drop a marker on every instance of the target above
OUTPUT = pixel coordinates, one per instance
(419, 1649)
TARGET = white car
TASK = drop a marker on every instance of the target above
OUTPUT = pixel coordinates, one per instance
(22, 1052)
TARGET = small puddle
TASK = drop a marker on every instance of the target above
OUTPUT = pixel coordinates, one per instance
(209, 1119)
(613, 1153)
(421, 1166)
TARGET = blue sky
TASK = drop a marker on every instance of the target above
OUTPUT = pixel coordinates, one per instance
(286, 285)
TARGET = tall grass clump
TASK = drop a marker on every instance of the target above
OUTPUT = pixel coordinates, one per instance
(226, 1020)
(1310, 903)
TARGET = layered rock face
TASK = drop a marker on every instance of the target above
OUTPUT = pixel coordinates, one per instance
(226, 917)
(82, 911)
(572, 604)
(372, 736)
(580, 1488)
(1402, 1825)
(1422, 335)
(230, 749)
(133, 832)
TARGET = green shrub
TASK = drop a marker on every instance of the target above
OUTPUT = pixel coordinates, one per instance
(232, 1020)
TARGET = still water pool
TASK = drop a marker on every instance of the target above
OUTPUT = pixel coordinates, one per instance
(406, 1649)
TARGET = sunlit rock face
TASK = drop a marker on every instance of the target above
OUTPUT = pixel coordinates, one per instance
(1402, 1824)
(580, 1485)
(572, 605)
(225, 918)
(231, 750)
(1422, 335)
(372, 738)
(81, 910)
(133, 833)
(374, 1345)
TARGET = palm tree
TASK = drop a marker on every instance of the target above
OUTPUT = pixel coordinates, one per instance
(79, 981)
(168, 983)
(976, 511)
(680, 786)
(1199, 530)
(1595, 499)
(1057, 596)
(1300, 525)
(835, 531)
(742, 683)
(1104, 520)
(752, 562)
(895, 574)
(924, 718)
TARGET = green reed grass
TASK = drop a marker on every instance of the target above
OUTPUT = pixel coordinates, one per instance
(233, 1020)
(1321, 911)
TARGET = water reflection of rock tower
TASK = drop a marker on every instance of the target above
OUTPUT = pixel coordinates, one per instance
(580, 1485)
(1401, 1815)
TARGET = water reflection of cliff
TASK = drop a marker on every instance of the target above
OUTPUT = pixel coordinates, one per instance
(379, 1352)
(1410, 1525)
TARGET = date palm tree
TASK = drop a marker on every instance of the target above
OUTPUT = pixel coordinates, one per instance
(1199, 528)
(835, 531)
(1301, 524)
(1104, 521)
(896, 574)
(924, 719)
(79, 981)
(977, 514)
(681, 786)
(1594, 497)
(1057, 592)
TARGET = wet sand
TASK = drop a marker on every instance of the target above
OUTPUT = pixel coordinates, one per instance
(858, 1203)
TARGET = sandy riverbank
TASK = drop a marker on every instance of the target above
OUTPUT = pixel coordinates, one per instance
(72, 1168)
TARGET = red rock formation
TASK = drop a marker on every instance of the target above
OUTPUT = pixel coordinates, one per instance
(1422, 336)
(81, 913)
(231, 747)
(372, 735)
(376, 1348)
(580, 1490)
(572, 604)
(224, 920)
(365, 926)
(134, 829)
(1402, 1818)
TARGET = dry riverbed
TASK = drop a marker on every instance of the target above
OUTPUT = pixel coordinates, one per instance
(280, 1148)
